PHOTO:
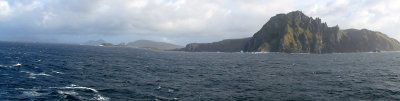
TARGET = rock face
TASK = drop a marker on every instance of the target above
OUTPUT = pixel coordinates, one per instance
(153, 45)
(228, 45)
(353, 40)
(297, 33)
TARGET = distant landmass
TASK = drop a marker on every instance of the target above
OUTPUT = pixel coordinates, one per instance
(228, 45)
(95, 42)
(297, 33)
(147, 44)
(153, 45)
(110, 44)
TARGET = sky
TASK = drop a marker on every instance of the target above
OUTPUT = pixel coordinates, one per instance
(178, 21)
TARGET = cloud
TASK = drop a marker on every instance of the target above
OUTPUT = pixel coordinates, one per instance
(369, 14)
(179, 21)
(4, 8)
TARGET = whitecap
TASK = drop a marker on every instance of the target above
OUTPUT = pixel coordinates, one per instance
(4, 66)
(73, 86)
(72, 90)
(98, 97)
(85, 88)
(33, 75)
(19, 88)
(300, 53)
(259, 52)
(159, 87)
(18, 64)
(170, 90)
(31, 93)
(42, 74)
(57, 72)
(67, 92)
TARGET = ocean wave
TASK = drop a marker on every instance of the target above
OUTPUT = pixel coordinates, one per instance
(31, 93)
(258, 52)
(80, 92)
(18, 64)
(10, 66)
(53, 71)
(71, 92)
(72, 86)
(33, 75)
(67, 92)
(4, 66)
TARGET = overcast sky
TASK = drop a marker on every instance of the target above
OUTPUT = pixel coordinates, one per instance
(178, 21)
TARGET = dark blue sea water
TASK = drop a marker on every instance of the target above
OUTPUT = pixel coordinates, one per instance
(31, 71)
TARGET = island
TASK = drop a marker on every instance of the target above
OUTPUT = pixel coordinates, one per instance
(148, 44)
(295, 32)
(144, 44)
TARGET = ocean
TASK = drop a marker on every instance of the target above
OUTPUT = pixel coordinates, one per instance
(34, 71)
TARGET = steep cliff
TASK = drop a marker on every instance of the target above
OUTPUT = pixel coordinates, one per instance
(294, 33)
